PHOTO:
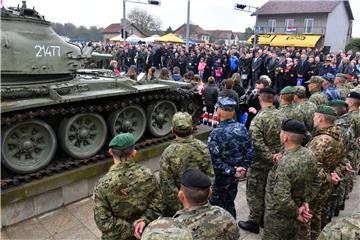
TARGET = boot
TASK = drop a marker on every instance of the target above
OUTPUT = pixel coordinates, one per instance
(249, 226)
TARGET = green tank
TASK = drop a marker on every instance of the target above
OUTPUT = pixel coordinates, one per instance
(52, 108)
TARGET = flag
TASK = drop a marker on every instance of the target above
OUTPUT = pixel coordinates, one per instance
(290, 29)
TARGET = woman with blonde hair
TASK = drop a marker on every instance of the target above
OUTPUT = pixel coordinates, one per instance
(151, 74)
(164, 74)
(131, 73)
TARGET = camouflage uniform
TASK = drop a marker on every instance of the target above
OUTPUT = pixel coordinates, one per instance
(307, 109)
(343, 92)
(126, 193)
(265, 131)
(355, 122)
(329, 148)
(230, 146)
(347, 228)
(183, 154)
(291, 112)
(209, 222)
(291, 182)
(166, 228)
(318, 98)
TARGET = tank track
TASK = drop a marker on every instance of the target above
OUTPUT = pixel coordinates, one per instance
(102, 106)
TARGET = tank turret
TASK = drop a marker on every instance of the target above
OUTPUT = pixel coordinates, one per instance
(31, 52)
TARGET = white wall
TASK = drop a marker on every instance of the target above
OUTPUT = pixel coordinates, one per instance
(337, 28)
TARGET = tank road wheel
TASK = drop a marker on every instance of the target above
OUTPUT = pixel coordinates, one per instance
(159, 117)
(82, 135)
(28, 146)
(129, 119)
(189, 106)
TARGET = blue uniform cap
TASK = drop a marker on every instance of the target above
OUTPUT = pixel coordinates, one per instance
(329, 77)
(226, 104)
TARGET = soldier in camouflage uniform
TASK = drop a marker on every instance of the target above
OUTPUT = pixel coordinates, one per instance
(204, 221)
(231, 152)
(127, 194)
(317, 96)
(306, 107)
(340, 81)
(340, 192)
(186, 152)
(291, 183)
(347, 228)
(166, 228)
(265, 131)
(353, 101)
(329, 148)
(286, 104)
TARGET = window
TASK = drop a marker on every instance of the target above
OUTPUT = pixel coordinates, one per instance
(272, 25)
(309, 22)
(204, 38)
(290, 26)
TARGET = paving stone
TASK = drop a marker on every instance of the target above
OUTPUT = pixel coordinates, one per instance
(91, 225)
(17, 212)
(48, 201)
(30, 229)
(82, 210)
(3, 235)
(75, 191)
(76, 233)
(58, 221)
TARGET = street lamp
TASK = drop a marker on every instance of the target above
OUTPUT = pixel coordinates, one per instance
(123, 21)
(250, 9)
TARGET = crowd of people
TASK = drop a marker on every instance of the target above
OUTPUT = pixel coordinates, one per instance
(298, 148)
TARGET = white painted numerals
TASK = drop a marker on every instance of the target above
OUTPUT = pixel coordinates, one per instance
(47, 51)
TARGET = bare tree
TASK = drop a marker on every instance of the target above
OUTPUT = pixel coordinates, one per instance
(144, 20)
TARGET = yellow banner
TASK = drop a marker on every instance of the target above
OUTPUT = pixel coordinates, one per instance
(295, 40)
(264, 39)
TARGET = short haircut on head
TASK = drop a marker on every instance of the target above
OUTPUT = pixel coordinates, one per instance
(262, 81)
(196, 196)
(176, 70)
(329, 118)
(122, 153)
(288, 97)
(295, 138)
(183, 134)
(267, 97)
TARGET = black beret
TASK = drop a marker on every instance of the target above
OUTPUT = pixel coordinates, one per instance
(354, 95)
(293, 126)
(268, 90)
(195, 179)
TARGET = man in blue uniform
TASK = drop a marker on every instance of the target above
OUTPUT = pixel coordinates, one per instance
(231, 151)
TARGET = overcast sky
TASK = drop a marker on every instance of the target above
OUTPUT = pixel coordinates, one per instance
(209, 14)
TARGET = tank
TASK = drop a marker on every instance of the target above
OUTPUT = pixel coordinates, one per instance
(52, 109)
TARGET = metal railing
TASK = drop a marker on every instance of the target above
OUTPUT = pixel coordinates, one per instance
(295, 30)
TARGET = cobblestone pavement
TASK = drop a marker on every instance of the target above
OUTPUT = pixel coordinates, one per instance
(75, 221)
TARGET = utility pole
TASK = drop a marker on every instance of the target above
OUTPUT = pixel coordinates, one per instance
(124, 20)
(188, 27)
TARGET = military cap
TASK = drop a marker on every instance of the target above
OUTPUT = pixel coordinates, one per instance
(122, 141)
(338, 102)
(341, 75)
(329, 77)
(226, 104)
(288, 90)
(268, 90)
(182, 122)
(293, 126)
(166, 228)
(195, 179)
(354, 95)
(324, 109)
(315, 79)
(300, 91)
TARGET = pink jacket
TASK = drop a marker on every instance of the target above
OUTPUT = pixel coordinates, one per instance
(201, 66)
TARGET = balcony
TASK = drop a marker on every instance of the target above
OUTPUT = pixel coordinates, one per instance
(294, 30)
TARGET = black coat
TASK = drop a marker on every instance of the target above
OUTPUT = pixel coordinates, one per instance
(211, 93)
(304, 69)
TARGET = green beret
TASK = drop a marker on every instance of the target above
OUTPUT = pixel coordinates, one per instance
(122, 141)
(341, 75)
(182, 122)
(324, 109)
(300, 91)
(288, 90)
(338, 102)
(315, 79)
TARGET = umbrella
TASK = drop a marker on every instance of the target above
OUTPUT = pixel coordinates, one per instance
(151, 39)
(133, 39)
(170, 37)
(117, 38)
